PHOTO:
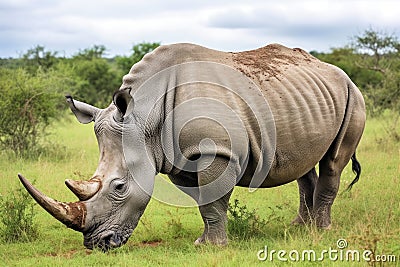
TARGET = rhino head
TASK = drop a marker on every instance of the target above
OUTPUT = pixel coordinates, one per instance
(113, 200)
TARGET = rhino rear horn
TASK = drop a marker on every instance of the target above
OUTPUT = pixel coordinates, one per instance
(84, 190)
(71, 214)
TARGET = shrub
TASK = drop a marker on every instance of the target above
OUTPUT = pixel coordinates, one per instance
(27, 106)
(17, 217)
(176, 225)
(243, 223)
(97, 81)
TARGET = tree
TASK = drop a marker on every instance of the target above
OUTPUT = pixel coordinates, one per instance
(138, 52)
(38, 57)
(379, 53)
(97, 79)
(376, 47)
(96, 51)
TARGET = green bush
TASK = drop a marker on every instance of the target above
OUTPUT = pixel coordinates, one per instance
(243, 223)
(97, 81)
(17, 217)
(175, 224)
(27, 106)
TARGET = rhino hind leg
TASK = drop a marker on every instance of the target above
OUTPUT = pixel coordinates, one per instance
(330, 170)
(306, 185)
(326, 188)
(214, 200)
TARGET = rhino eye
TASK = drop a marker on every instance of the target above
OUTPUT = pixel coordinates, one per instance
(119, 190)
(119, 186)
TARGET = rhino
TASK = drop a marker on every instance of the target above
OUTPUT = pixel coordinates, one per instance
(210, 121)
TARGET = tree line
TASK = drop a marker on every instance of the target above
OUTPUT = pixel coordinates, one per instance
(32, 87)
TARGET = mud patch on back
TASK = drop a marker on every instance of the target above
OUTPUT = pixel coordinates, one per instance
(269, 61)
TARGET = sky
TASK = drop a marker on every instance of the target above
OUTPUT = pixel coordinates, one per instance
(68, 26)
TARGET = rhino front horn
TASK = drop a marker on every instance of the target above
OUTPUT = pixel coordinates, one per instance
(71, 214)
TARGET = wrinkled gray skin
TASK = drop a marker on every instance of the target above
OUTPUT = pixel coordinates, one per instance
(318, 113)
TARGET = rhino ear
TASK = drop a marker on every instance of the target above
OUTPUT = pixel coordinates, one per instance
(85, 113)
(123, 101)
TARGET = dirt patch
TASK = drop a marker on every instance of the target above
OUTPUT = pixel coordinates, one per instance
(150, 243)
(67, 254)
(269, 61)
(154, 243)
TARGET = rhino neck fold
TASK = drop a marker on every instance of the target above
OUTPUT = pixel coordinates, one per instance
(153, 114)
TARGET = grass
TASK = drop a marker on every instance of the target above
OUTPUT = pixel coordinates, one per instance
(367, 217)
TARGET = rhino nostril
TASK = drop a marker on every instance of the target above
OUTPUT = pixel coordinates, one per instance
(104, 241)
(106, 235)
(109, 240)
(114, 244)
(115, 241)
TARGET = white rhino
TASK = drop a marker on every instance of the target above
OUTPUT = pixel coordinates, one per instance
(211, 120)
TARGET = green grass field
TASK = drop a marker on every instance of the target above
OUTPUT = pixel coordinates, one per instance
(367, 218)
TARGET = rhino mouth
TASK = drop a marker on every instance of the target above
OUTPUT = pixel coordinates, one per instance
(106, 240)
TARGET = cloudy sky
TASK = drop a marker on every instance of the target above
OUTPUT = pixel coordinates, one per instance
(69, 25)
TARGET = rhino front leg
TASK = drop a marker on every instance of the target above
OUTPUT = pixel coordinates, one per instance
(306, 185)
(214, 218)
(216, 182)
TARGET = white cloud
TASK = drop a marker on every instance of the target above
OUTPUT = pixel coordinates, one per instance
(226, 25)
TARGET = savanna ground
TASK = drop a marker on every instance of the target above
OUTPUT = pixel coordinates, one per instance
(367, 217)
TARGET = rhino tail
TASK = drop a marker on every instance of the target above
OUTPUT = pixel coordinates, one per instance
(356, 167)
(351, 102)
(345, 122)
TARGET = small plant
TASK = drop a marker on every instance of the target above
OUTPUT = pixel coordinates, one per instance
(16, 217)
(392, 127)
(176, 225)
(243, 223)
(390, 123)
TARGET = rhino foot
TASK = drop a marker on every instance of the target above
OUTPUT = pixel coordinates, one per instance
(322, 221)
(300, 221)
(327, 227)
(211, 240)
